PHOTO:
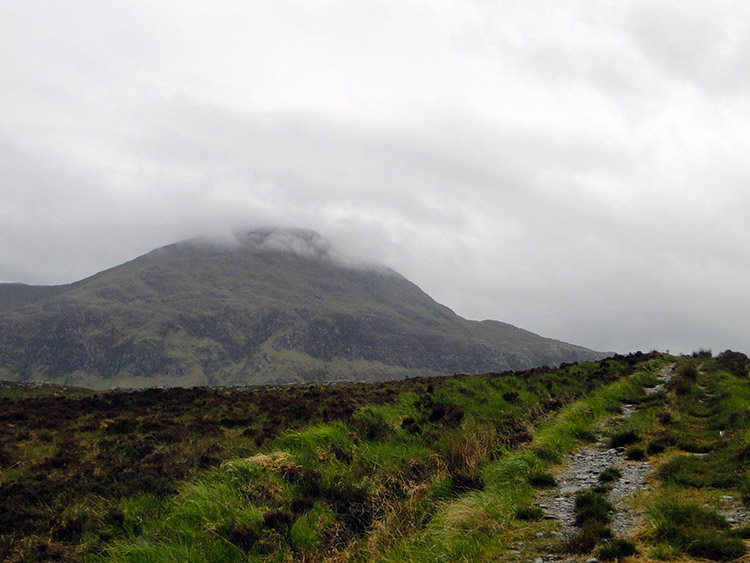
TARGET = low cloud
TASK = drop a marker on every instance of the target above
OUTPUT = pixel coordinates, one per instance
(579, 171)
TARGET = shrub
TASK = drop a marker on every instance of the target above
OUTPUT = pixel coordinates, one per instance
(582, 542)
(655, 447)
(742, 532)
(688, 370)
(616, 549)
(610, 474)
(437, 412)
(243, 536)
(635, 454)
(279, 520)
(463, 482)
(694, 530)
(587, 539)
(545, 454)
(735, 363)
(592, 506)
(371, 424)
(541, 479)
(410, 425)
(529, 513)
(682, 386)
(624, 438)
(454, 415)
(665, 418)
(511, 397)
(584, 435)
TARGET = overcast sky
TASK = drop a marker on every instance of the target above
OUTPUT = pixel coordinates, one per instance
(578, 169)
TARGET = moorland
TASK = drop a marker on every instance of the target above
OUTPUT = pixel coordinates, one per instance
(423, 469)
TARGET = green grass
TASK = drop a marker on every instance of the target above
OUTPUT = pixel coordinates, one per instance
(422, 470)
(707, 418)
(541, 479)
(610, 474)
(624, 438)
(592, 506)
(529, 513)
(694, 530)
(617, 549)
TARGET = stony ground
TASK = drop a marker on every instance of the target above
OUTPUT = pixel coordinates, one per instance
(579, 472)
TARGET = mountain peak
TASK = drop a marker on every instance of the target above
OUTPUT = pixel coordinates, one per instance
(304, 242)
(263, 306)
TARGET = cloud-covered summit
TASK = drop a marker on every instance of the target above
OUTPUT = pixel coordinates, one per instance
(576, 168)
(303, 242)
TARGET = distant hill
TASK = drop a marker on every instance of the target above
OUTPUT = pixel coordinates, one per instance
(272, 306)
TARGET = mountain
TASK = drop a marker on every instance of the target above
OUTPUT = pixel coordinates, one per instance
(269, 307)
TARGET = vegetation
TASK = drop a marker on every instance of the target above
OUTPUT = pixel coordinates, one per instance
(311, 470)
(417, 470)
(199, 313)
(541, 479)
(610, 474)
(617, 549)
(694, 530)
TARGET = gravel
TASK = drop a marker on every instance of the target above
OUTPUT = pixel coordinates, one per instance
(580, 471)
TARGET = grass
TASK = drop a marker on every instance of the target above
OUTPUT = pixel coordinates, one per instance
(694, 530)
(617, 549)
(529, 513)
(541, 479)
(592, 507)
(421, 470)
(701, 443)
(635, 454)
(610, 474)
(624, 438)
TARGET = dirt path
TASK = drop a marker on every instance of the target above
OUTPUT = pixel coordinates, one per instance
(580, 471)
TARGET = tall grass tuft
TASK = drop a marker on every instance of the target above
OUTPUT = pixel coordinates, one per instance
(694, 530)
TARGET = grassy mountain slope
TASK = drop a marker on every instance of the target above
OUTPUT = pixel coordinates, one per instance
(272, 307)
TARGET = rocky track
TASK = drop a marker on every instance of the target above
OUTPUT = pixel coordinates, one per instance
(581, 469)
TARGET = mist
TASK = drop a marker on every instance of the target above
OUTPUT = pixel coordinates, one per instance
(578, 171)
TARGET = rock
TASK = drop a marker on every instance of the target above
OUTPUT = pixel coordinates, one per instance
(540, 535)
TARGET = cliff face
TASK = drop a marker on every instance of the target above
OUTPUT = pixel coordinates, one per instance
(270, 307)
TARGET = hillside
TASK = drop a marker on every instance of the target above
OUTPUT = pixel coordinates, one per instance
(269, 307)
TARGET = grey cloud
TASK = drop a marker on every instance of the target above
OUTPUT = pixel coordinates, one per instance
(542, 164)
(703, 44)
